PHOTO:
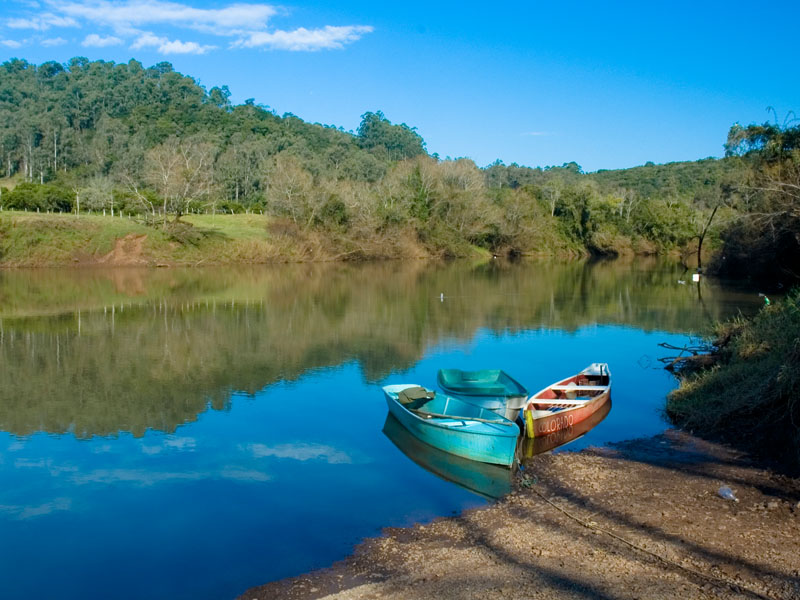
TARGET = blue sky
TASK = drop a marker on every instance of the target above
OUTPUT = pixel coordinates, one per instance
(608, 86)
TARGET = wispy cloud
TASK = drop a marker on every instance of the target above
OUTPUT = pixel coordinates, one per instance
(50, 42)
(139, 13)
(537, 133)
(238, 474)
(303, 39)
(41, 22)
(135, 476)
(98, 41)
(149, 477)
(301, 452)
(151, 24)
(11, 43)
(23, 512)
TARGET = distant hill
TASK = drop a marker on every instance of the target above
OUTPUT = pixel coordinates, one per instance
(151, 142)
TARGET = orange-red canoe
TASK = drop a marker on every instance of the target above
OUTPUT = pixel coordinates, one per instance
(568, 402)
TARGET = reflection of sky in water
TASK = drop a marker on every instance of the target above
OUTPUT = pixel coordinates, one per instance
(280, 483)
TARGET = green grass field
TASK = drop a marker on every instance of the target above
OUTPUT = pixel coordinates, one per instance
(36, 240)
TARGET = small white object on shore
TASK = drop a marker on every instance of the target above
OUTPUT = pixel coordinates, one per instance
(727, 493)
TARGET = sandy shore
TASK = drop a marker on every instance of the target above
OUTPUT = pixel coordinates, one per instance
(638, 520)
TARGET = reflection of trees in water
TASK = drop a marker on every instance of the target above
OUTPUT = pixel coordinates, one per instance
(169, 344)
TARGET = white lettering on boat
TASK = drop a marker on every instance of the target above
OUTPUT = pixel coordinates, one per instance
(556, 424)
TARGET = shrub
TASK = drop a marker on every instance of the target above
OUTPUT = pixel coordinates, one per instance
(750, 396)
(44, 197)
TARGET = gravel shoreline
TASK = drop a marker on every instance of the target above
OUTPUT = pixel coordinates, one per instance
(641, 519)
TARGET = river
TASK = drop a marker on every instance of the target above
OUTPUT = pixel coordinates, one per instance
(192, 433)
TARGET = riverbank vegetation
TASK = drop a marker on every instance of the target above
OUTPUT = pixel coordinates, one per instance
(764, 240)
(749, 393)
(749, 396)
(153, 146)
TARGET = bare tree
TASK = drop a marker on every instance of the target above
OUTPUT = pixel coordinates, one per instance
(289, 187)
(180, 171)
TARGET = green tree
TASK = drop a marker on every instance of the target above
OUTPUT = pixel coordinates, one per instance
(376, 132)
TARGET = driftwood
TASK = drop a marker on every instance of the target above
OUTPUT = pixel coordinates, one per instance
(693, 363)
(699, 358)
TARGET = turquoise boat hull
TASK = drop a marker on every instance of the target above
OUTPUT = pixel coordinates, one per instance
(457, 427)
(486, 480)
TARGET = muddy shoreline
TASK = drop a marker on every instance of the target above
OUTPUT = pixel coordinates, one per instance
(640, 519)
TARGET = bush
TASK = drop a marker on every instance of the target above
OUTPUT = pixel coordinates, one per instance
(42, 197)
(333, 213)
(749, 397)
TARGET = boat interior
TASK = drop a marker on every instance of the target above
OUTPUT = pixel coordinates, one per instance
(429, 404)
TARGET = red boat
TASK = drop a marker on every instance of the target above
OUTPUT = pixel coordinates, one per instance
(568, 402)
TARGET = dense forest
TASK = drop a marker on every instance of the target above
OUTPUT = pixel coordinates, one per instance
(95, 136)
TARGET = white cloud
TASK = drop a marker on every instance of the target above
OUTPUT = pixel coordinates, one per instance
(48, 43)
(98, 41)
(124, 15)
(11, 43)
(151, 24)
(167, 46)
(42, 22)
(537, 133)
(146, 40)
(301, 452)
(179, 47)
(303, 39)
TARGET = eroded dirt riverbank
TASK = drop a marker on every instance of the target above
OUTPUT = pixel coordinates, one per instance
(638, 520)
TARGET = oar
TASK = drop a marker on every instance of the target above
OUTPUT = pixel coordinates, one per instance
(440, 416)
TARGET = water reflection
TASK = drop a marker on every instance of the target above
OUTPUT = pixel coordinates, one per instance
(544, 443)
(486, 480)
(98, 352)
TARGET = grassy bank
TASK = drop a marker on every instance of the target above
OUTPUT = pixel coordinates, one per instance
(750, 395)
(49, 240)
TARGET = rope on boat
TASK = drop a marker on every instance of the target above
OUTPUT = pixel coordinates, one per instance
(713, 579)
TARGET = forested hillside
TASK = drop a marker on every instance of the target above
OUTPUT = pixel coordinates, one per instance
(153, 144)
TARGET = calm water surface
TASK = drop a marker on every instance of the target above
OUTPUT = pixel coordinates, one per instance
(189, 434)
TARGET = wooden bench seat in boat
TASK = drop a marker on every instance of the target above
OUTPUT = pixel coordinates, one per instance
(579, 388)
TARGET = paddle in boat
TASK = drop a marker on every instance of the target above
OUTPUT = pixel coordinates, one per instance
(567, 402)
(493, 389)
(453, 425)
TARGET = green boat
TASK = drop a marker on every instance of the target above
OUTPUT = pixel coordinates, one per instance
(492, 389)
